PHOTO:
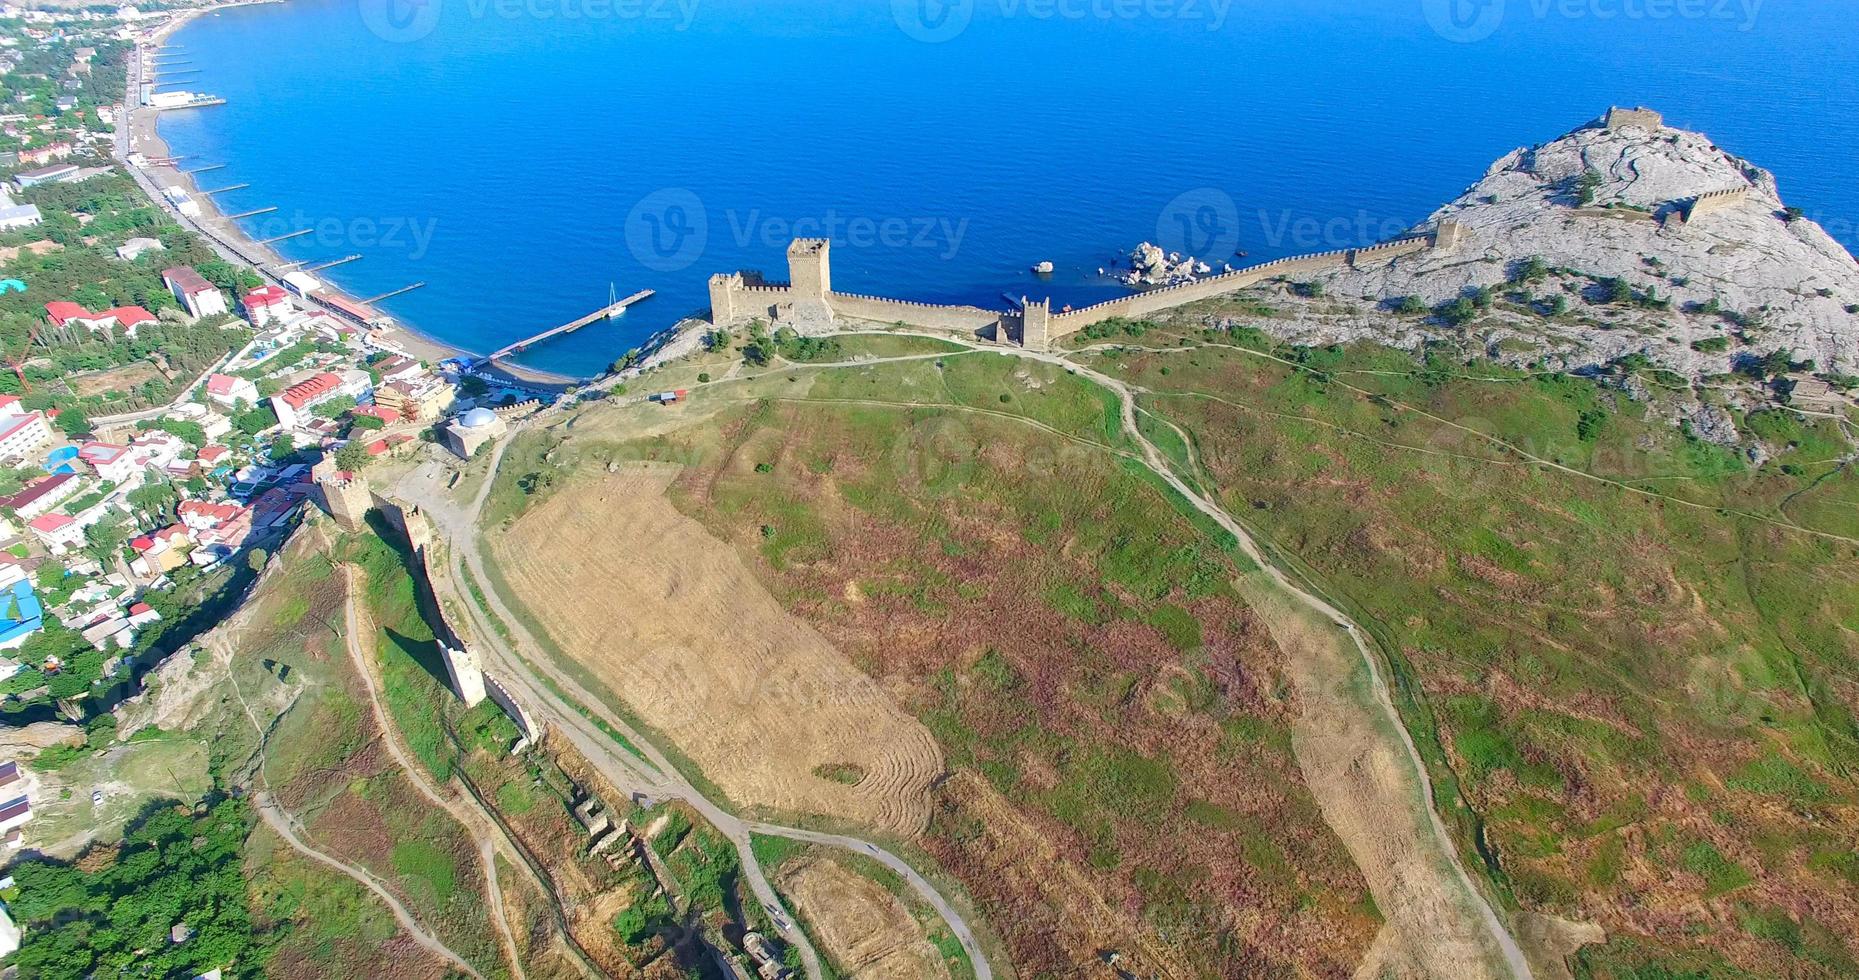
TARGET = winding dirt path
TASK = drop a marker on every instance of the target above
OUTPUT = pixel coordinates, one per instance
(287, 827)
(352, 632)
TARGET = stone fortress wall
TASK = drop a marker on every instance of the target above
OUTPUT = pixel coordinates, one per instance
(738, 297)
(808, 295)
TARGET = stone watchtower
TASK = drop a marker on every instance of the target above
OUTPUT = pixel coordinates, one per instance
(810, 270)
(1448, 235)
(723, 289)
(1641, 117)
(466, 673)
(345, 495)
(1035, 323)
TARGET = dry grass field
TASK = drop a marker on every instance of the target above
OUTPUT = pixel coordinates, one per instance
(870, 934)
(670, 619)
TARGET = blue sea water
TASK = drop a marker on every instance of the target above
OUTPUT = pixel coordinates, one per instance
(518, 156)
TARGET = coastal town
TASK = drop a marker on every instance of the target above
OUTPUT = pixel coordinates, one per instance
(166, 408)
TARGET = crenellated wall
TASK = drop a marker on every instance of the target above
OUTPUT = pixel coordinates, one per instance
(1711, 202)
(930, 316)
(734, 298)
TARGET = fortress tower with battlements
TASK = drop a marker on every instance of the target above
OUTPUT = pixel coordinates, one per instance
(810, 269)
(345, 495)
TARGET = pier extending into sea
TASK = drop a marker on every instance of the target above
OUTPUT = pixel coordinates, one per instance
(610, 310)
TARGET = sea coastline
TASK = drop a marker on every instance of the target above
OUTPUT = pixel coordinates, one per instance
(140, 138)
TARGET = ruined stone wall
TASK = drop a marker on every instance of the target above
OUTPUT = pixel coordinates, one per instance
(1712, 202)
(1641, 117)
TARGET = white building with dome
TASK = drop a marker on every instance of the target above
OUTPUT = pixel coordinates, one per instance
(464, 434)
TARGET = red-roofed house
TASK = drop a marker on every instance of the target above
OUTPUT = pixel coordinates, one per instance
(22, 436)
(112, 462)
(42, 495)
(265, 304)
(200, 297)
(10, 406)
(58, 532)
(199, 515)
(141, 614)
(212, 455)
(229, 391)
(61, 312)
(161, 551)
(128, 317)
(385, 414)
(293, 403)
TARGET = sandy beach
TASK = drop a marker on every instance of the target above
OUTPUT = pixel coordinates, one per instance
(141, 135)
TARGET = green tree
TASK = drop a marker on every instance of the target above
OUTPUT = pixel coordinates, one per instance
(353, 456)
(73, 422)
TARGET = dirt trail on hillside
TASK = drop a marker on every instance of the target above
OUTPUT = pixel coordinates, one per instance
(672, 621)
(872, 935)
(1367, 791)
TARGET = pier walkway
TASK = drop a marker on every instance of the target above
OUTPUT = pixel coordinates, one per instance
(610, 310)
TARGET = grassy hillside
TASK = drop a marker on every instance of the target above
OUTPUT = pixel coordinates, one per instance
(1640, 668)
(971, 532)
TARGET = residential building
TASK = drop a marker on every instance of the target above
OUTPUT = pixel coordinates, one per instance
(135, 248)
(398, 367)
(10, 406)
(266, 304)
(45, 175)
(22, 436)
(21, 615)
(422, 398)
(112, 462)
(41, 495)
(228, 390)
(57, 532)
(198, 515)
(130, 318)
(14, 813)
(294, 403)
(14, 215)
(39, 156)
(161, 551)
(198, 296)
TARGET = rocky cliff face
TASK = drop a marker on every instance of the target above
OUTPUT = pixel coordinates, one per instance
(1645, 205)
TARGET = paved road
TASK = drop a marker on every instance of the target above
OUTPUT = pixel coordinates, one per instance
(287, 828)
